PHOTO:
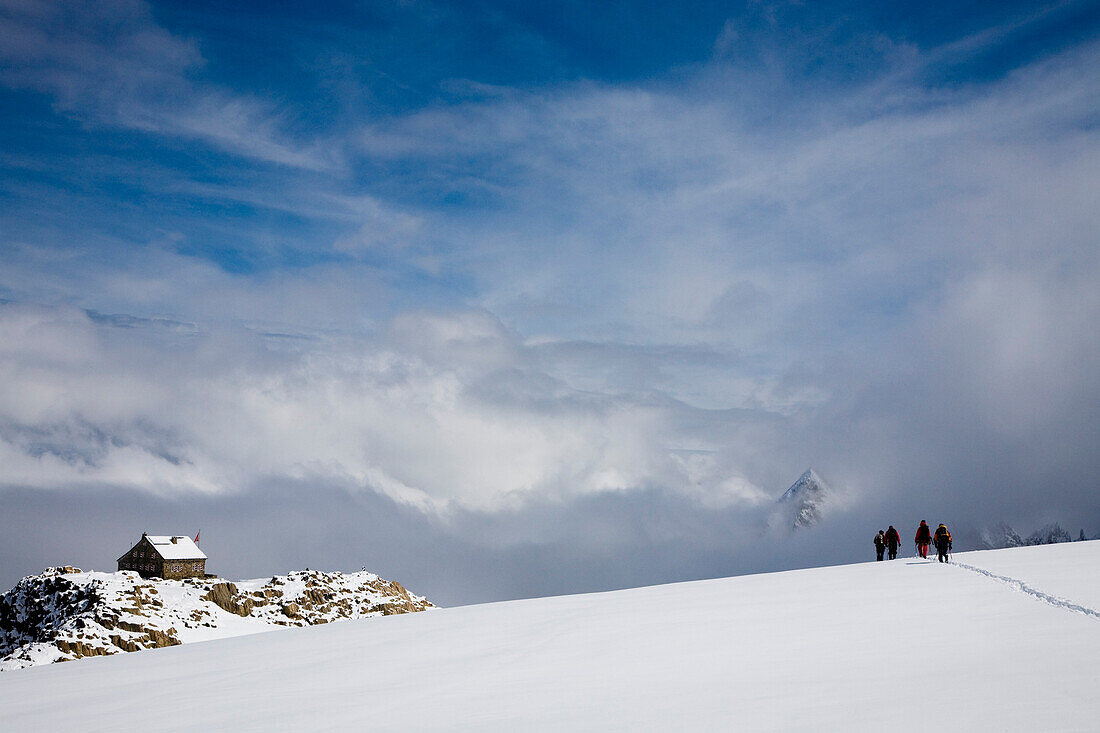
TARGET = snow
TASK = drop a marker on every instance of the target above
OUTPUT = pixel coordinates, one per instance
(1003, 640)
(1049, 569)
(184, 548)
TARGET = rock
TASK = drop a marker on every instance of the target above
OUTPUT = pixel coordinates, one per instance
(79, 649)
(224, 595)
(124, 644)
(158, 638)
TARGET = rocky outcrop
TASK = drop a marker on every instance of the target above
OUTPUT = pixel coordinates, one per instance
(59, 616)
(225, 596)
(1003, 536)
(999, 537)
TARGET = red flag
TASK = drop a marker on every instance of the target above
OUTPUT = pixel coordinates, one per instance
(197, 536)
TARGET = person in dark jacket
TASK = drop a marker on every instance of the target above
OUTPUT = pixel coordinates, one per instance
(893, 539)
(942, 541)
(923, 539)
(880, 544)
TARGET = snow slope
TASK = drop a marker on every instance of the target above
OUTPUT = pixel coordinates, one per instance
(899, 645)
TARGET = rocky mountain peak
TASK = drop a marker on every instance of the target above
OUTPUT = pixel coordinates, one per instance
(804, 499)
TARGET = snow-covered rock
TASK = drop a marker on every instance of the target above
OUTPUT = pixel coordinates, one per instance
(66, 614)
(999, 537)
(801, 504)
(1003, 536)
(1049, 535)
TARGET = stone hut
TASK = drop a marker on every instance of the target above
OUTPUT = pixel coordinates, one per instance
(165, 556)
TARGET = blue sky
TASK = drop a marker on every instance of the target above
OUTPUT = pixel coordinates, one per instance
(501, 264)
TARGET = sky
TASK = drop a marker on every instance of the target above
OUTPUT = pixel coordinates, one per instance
(509, 299)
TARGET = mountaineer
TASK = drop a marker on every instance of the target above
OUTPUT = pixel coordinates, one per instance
(880, 544)
(923, 539)
(942, 541)
(893, 539)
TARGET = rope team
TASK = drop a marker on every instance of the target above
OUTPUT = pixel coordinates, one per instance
(888, 540)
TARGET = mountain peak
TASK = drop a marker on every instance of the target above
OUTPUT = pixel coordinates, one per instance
(806, 497)
(810, 475)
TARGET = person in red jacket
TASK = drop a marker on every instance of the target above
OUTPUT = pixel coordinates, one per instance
(923, 539)
(893, 539)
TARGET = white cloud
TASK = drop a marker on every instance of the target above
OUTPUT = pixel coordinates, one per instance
(110, 63)
(383, 228)
(452, 409)
(653, 214)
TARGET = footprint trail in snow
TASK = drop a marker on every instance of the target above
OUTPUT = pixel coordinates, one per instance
(1023, 587)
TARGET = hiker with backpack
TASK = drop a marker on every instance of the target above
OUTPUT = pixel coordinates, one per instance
(893, 539)
(942, 540)
(923, 539)
(880, 544)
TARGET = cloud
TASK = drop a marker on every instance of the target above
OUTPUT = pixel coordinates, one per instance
(587, 543)
(449, 408)
(575, 330)
(383, 228)
(63, 49)
(801, 258)
(110, 63)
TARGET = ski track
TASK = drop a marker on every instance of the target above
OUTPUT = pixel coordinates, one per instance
(1034, 593)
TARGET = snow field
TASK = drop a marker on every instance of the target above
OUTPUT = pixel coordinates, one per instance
(1051, 569)
(900, 644)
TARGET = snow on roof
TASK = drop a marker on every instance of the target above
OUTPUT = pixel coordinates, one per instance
(184, 548)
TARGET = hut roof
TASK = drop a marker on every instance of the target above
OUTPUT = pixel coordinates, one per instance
(184, 548)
